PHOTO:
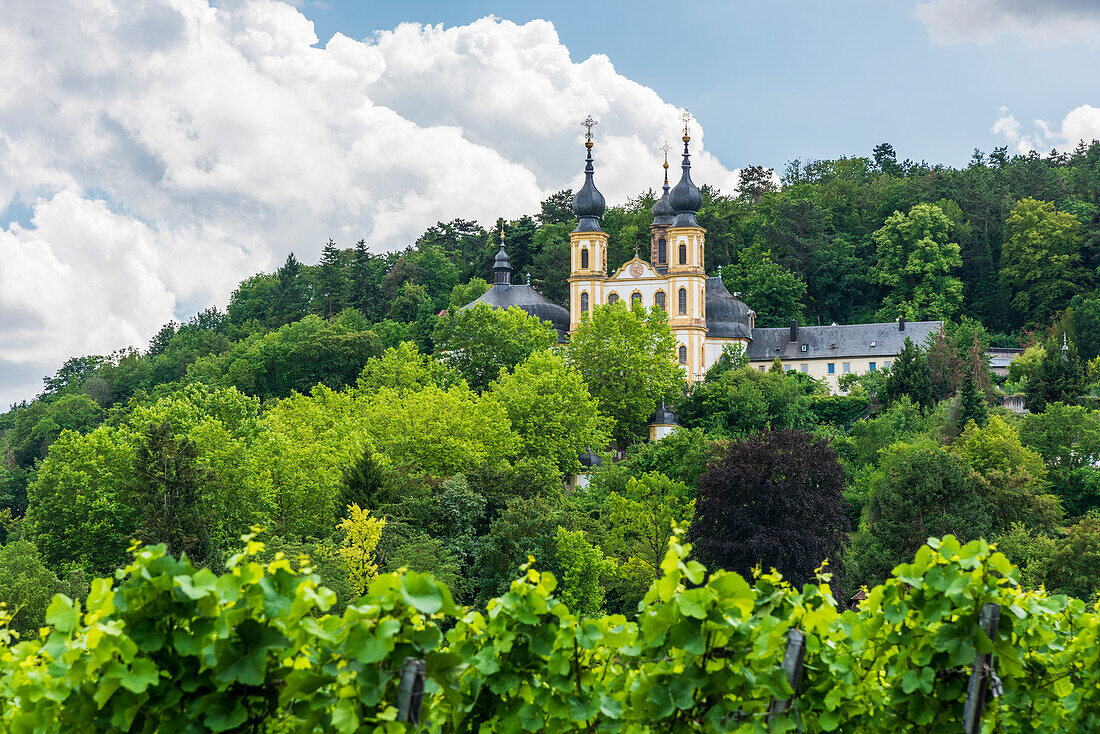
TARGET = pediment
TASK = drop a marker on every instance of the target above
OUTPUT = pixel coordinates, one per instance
(635, 269)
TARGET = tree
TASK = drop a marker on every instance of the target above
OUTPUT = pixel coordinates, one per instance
(1040, 264)
(26, 585)
(1068, 439)
(1074, 568)
(365, 282)
(754, 501)
(557, 209)
(910, 375)
(886, 160)
(972, 405)
(293, 293)
(465, 293)
(922, 491)
(915, 262)
(169, 484)
(775, 292)
(527, 526)
(743, 402)
(482, 342)
(643, 517)
(361, 535)
(366, 483)
(332, 282)
(1058, 378)
(551, 410)
(582, 567)
(627, 358)
(755, 181)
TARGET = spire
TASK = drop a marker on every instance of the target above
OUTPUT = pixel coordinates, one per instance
(663, 213)
(502, 264)
(685, 197)
(588, 203)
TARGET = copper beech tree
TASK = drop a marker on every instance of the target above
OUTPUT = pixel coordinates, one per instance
(772, 500)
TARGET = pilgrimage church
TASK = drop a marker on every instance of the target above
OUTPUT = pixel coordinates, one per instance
(703, 315)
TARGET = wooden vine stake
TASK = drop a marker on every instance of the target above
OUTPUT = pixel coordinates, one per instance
(981, 673)
(792, 666)
(411, 693)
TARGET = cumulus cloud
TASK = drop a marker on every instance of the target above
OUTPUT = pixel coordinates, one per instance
(1051, 22)
(1082, 123)
(161, 151)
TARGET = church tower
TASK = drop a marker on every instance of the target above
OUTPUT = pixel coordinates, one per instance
(663, 217)
(686, 274)
(588, 244)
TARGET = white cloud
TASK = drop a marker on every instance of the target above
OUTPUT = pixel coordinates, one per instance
(1048, 23)
(1082, 123)
(166, 150)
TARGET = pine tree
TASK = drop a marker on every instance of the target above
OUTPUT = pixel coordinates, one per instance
(365, 285)
(1059, 378)
(332, 282)
(972, 405)
(910, 375)
(293, 295)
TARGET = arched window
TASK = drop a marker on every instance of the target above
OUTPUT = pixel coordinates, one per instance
(613, 298)
(635, 298)
(662, 250)
(683, 354)
(584, 302)
(683, 254)
(683, 301)
(659, 300)
(584, 259)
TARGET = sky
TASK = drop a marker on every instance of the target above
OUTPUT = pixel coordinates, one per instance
(153, 153)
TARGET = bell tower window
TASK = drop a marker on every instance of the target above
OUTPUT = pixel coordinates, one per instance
(584, 302)
(662, 250)
(613, 298)
(683, 254)
(683, 301)
(659, 299)
(584, 259)
(683, 354)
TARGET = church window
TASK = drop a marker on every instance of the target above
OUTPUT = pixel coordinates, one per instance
(662, 250)
(584, 259)
(683, 301)
(613, 298)
(635, 298)
(683, 254)
(683, 354)
(584, 303)
(659, 300)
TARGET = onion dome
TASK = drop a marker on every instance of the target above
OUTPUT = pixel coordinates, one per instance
(663, 417)
(588, 203)
(686, 198)
(663, 213)
(502, 266)
(589, 460)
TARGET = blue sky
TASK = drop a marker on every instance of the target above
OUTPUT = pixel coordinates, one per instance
(784, 79)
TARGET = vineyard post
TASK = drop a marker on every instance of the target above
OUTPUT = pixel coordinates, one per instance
(792, 665)
(980, 673)
(410, 695)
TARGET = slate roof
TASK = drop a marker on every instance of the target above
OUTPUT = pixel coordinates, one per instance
(727, 316)
(839, 342)
(531, 301)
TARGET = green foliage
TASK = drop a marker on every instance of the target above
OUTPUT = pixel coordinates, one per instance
(916, 262)
(583, 567)
(742, 402)
(910, 375)
(627, 359)
(775, 292)
(1058, 378)
(550, 409)
(644, 517)
(482, 342)
(26, 585)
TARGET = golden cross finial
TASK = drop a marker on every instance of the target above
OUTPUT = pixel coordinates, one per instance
(589, 123)
(686, 117)
(666, 148)
(502, 233)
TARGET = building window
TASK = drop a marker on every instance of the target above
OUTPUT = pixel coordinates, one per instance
(832, 368)
(683, 301)
(804, 347)
(683, 354)
(886, 365)
(635, 299)
(872, 367)
(662, 250)
(659, 299)
(805, 368)
(847, 367)
(683, 254)
(584, 259)
(613, 298)
(584, 303)
(761, 368)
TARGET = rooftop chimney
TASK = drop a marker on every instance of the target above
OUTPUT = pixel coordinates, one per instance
(794, 330)
(901, 324)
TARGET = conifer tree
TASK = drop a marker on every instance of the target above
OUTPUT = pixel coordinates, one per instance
(293, 295)
(331, 282)
(365, 282)
(972, 405)
(910, 375)
(1059, 378)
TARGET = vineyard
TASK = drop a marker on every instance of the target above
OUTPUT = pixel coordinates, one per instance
(166, 647)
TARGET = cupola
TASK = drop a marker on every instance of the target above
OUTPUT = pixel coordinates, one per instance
(588, 202)
(686, 198)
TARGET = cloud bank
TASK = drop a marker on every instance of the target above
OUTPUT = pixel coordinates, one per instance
(1082, 123)
(154, 153)
(1046, 23)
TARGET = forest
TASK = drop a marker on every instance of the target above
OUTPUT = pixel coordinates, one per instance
(366, 434)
